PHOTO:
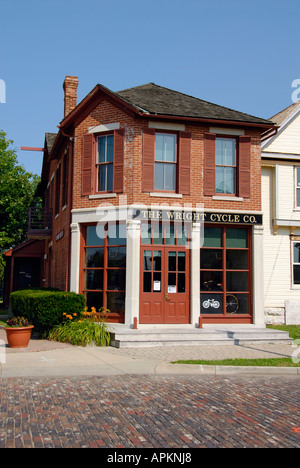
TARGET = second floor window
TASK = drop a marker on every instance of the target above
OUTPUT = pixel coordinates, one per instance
(105, 163)
(165, 162)
(226, 165)
(298, 187)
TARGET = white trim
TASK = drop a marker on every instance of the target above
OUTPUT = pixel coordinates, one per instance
(265, 154)
(105, 127)
(227, 131)
(224, 198)
(166, 126)
(165, 195)
(102, 195)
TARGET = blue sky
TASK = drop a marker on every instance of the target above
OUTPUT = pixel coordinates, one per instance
(236, 53)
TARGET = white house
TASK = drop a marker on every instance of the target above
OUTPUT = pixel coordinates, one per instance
(281, 207)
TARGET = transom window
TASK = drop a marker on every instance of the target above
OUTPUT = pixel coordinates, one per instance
(226, 165)
(165, 162)
(105, 163)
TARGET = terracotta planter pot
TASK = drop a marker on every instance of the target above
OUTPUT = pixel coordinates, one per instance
(18, 337)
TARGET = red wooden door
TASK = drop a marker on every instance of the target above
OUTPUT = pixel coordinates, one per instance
(164, 292)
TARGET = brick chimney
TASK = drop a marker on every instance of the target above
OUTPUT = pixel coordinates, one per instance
(70, 88)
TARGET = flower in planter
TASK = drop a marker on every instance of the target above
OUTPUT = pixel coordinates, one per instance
(18, 322)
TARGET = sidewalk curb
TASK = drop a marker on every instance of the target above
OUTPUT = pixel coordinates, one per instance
(199, 369)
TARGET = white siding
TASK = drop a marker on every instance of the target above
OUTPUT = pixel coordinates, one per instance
(277, 248)
(285, 196)
(288, 141)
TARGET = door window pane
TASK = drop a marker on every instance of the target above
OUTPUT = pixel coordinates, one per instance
(181, 261)
(148, 260)
(147, 281)
(181, 282)
(157, 260)
(172, 261)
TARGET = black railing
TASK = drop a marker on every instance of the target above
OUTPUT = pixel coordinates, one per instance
(39, 222)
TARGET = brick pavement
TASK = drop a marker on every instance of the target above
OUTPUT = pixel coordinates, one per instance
(150, 411)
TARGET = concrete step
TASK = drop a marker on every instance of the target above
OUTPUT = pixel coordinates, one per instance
(182, 336)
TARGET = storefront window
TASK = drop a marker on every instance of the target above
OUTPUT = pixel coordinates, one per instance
(225, 271)
(104, 272)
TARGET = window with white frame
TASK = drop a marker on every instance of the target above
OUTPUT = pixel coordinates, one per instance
(105, 163)
(296, 262)
(226, 165)
(298, 187)
(165, 162)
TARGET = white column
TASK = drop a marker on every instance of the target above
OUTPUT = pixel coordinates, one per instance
(195, 274)
(132, 271)
(75, 257)
(258, 276)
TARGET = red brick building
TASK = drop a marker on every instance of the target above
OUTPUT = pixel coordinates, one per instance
(154, 200)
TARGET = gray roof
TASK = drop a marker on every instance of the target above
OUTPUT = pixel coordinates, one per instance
(157, 100)
(281, 117)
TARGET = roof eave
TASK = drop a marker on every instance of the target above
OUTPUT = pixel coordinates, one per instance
(267, 125)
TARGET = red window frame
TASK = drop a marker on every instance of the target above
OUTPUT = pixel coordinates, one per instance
(113, 316)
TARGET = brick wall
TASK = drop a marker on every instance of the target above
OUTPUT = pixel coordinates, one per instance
(108, 113)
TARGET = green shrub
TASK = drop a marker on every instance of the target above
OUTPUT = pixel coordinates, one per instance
(81, 333)
(45, 307)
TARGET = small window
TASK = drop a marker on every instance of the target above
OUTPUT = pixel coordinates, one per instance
(226, 165)
(105, 163)
(296, 263)
(298, 187)
(165, 162)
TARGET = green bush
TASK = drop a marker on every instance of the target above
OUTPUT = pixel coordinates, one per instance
(45, 307)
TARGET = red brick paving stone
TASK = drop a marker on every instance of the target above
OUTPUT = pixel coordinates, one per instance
(149, 411)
